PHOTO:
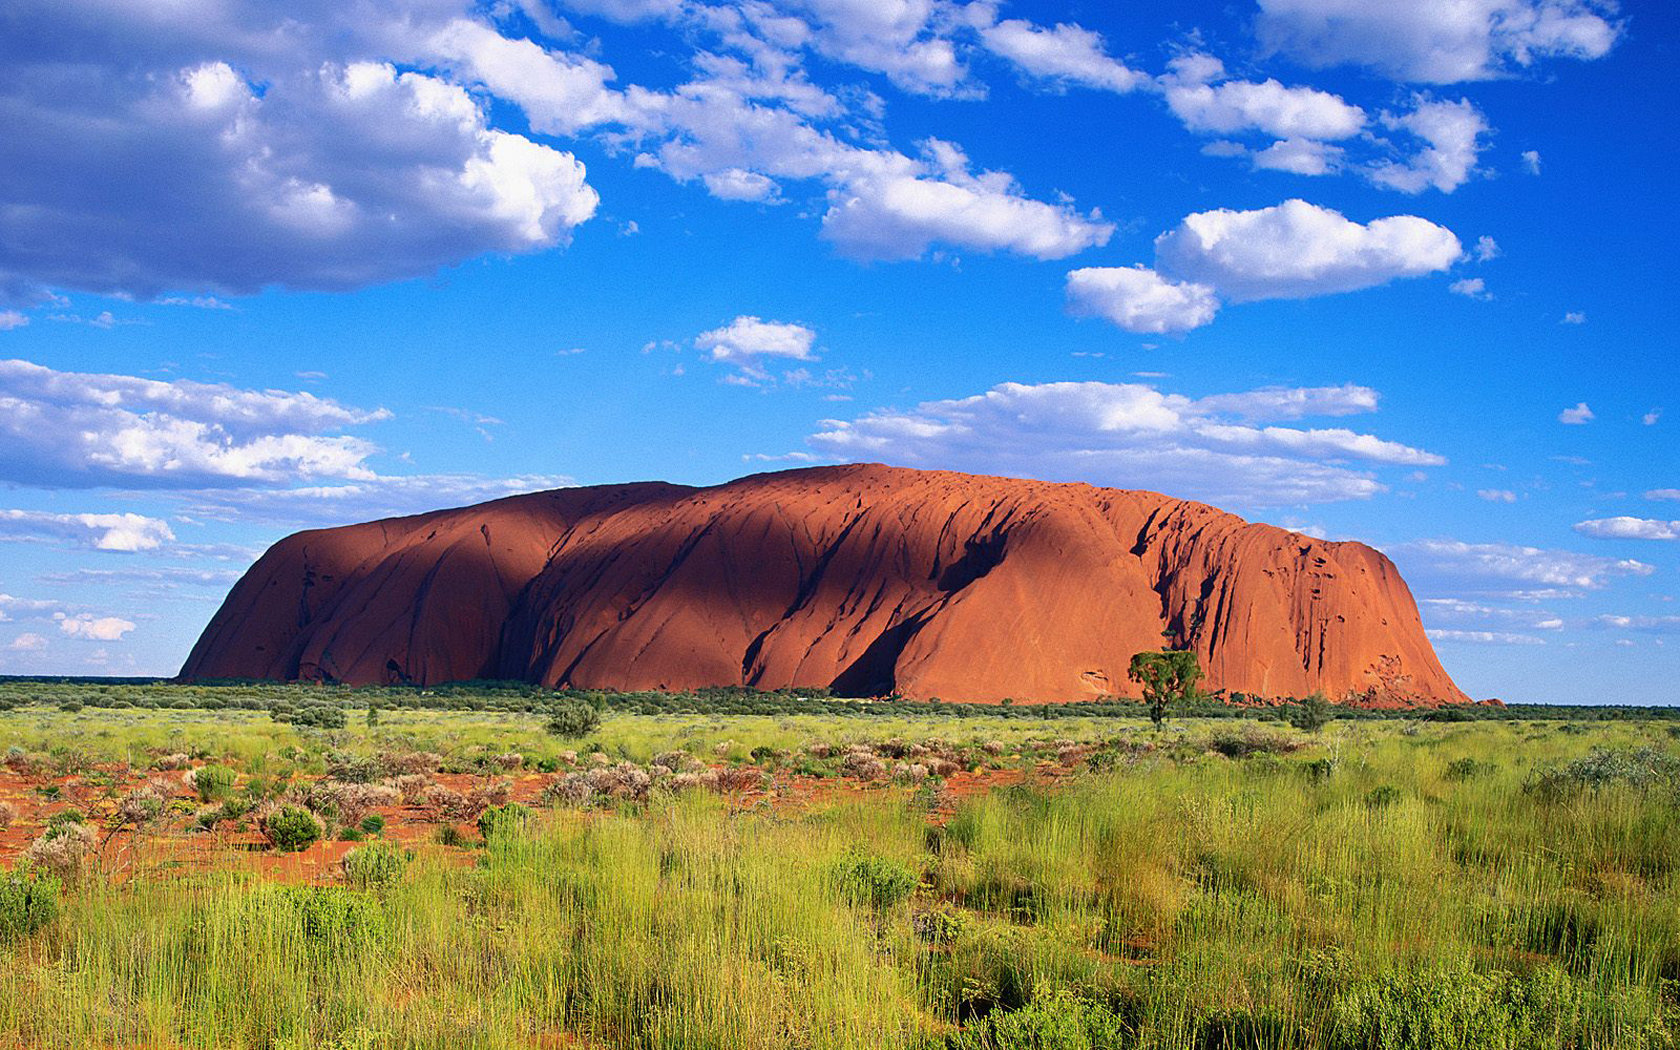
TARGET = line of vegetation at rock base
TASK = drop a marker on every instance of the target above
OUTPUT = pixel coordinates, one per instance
(286, 699)
(1370, 886)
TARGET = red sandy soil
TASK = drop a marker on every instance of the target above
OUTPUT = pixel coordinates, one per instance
(170, 846)
(864, 578)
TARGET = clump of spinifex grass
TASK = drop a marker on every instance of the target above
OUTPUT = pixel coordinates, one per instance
(1367, 885)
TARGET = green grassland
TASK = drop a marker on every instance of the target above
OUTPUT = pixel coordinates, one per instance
(1223, 883)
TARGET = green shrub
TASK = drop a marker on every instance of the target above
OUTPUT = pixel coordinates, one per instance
(336, 918)
(230, 810)
(373, 824)
(63, 819)
(1382, 796)
(28, 902)
(292, 828)
(571, 719)
(1318, 769)
(502, 820)
(940, 926)
(1250, 741)
(1640, 768)
(1424, 1009)
(213, 783)
(1055, 1022)
(1468, 769)
(1311, 714)
(450, 835)
(316, 715)
(876, 881)
(353, 769)
(374, 866)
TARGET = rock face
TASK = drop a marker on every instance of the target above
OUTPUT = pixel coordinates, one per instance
(867, 579)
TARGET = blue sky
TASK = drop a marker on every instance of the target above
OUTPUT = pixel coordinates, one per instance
(1395, 273)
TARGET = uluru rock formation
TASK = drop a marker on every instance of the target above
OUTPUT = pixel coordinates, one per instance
(864, 578)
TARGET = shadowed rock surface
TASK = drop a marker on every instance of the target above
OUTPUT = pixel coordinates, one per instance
(865, 578)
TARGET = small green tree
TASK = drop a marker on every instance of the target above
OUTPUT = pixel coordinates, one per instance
(1311, 714)
(571, 719)
(1167, 676)
(291, 829)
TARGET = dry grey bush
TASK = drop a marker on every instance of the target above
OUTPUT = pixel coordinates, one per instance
(511, 760)
(911, 772)
(459, 807)
(446, 803)
(942, 767)
(626, 781)
(170, 763)
(676, 760)
(410, 763)
(353, 801)
(687, 781)
(569, 757)
(145, 803)
(743, 778)
(8, 813)
(573, 789)
(498, 794)
(994, 747)
(862, 765)
(62, 851)
(570, 790)
(411, 787)
(23, 763)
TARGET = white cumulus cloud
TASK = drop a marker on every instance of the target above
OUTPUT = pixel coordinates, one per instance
(77, 429)
(259, 146)
(90, 628)
(747, 338)
(895, 215)
(1439, 634)
(1297, 250)
(1140, 300)
(1471, 288)
(1264, 106)
(1466, 566)
(1451, 133)
(1577, 416)
(1629, 528)
(106, 532)
(1438, 41)
(1064, 53)
(342, 503)
(1135, 436)
(1293, 250)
